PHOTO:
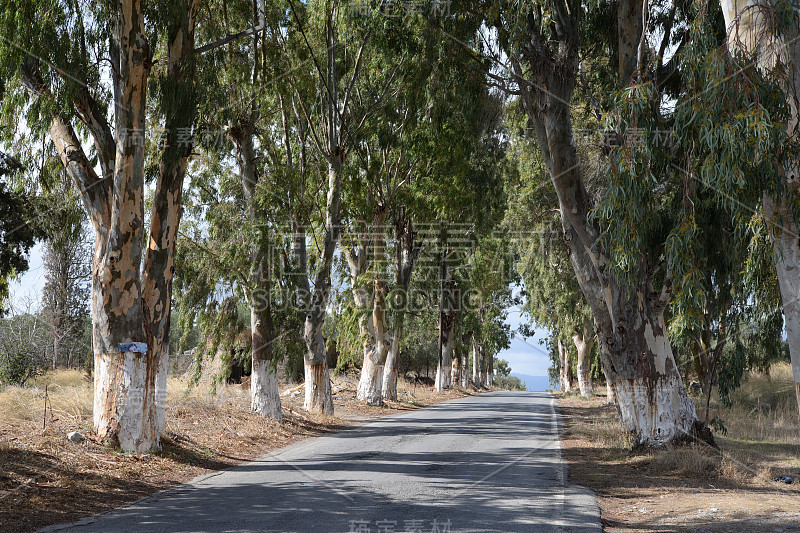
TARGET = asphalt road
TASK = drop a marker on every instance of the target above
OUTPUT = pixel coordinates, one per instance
(486, 463)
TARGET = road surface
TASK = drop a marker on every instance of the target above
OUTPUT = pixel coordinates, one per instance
(487, 463)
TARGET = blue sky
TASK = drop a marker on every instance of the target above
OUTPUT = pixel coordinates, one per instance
(525, 356)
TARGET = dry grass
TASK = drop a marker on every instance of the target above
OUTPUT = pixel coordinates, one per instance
(764, 408)
(67, 394)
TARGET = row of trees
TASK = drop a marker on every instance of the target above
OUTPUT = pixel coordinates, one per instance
(292, 139)
(363, 179)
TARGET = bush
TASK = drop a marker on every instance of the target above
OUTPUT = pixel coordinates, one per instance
(508, 383)
(23, 348)
(19, 362)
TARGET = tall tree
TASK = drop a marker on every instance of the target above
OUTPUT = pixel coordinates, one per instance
(131, 275)
(767, 35)
(542, 42)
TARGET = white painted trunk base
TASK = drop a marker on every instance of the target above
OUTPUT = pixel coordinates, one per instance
(787, 265)
(476, 366)
(318, 397)
(584, 381)
(610, 398)
(444, 370)
(265, 398)
(659, 412)
(128, 402)
(371, 382)
(442, 377)
(389, 385)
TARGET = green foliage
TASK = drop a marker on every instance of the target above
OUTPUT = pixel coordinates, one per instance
(18, 227)
(501, 368)
(508, 383)
(24, 343)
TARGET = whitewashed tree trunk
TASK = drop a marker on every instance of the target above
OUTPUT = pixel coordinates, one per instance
(476, 363)
(632, 341)
(447, 324)
(787, 263)
(389, 385)
(610, 398)
(444, 368)
(131, 285)
(750, 26)
(489, 374)
(372, 305)
(565, 370)
(407, 255)
(583, 343)
(265, 399)
(264, 395)
(318, 397)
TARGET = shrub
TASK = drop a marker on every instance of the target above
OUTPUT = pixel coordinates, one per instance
(508, 383)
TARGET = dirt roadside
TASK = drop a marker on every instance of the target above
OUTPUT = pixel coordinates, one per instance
(685, 489)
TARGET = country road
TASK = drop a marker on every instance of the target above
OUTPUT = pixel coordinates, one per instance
(485, 463)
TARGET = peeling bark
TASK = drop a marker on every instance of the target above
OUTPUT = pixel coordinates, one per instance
(318, 391)
(130, 303)
(583, 343)
(373, 325)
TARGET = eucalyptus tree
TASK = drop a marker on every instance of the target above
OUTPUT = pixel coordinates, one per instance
(246, 83)
(553, 297)
(337, 40)
(766, 35)
(627, 293)
(57, 83)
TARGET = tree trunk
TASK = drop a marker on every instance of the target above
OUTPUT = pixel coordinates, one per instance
(476, 363)
(465, 371)
(629, 31)
(407, 255)
(565, 368)
(265, 398)
(318, 398)
(787, 264)
(583, 343)
(447, 322)
(489, 374)
(444, 368)
(373, 325)
(264, 395)
(610, 398)
(389, 385)
(455, 375)
(131, 304)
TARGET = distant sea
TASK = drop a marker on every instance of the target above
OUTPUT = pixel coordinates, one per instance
(534, 383)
